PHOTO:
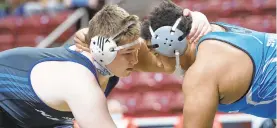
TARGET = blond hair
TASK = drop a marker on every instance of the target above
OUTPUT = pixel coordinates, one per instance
(110, 20)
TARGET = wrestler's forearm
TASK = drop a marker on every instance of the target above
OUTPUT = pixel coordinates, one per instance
(199, 107)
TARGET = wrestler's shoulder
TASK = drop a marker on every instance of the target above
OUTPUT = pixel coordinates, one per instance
(65, 70)
(76, 70)
(214, 56)
(216, 48)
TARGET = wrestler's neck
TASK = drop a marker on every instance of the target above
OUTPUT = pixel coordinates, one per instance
(103, 80)
(189, 56)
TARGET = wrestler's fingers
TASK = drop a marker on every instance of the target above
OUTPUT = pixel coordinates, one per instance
(204, 30)
(78, 49)
(186, 12)
(75, 125)
(208, 30)
(192, 30)
(80, 35)
(198, 31)
(77, 40)
(78, 44)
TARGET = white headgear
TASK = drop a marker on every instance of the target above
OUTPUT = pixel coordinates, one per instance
(168, 41)
(104, 50)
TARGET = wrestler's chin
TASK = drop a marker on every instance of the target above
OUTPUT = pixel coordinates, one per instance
(125, 73)
(169, 70)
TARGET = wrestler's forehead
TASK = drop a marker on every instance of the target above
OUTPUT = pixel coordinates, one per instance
(132, 48)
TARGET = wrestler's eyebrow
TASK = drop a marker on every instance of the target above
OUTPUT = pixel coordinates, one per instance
(151, 49)
(130, 49)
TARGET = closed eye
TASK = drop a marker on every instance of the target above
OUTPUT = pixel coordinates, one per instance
(127, 53)
(152, 50)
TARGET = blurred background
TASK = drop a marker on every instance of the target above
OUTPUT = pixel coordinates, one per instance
(142, 100)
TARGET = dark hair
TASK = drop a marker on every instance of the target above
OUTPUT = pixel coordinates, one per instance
(166, 14)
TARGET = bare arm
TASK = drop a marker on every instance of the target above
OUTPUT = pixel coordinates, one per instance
(201, 93)
(86, 100)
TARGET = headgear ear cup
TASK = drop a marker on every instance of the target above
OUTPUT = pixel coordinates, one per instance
(169, 42)
(101, 49)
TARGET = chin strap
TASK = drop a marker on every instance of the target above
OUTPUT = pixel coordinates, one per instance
(178, 69)
(102, 70)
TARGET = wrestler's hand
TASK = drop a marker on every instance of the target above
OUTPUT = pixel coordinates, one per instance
(79, 40)
(75, 125)
(200, 25)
